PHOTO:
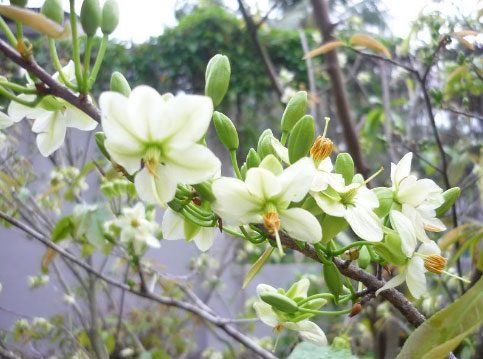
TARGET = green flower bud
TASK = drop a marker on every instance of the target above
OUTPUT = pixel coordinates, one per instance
(110, 17)
(390, 248)
(450, 197)
(386, 199)
(19, 3)
(217, 78)
(100, 139)
(253, 159)
(90, 16)
(294, 111)
(364, 257)
(280, 302)
(301, 138)
(226, 131)
(315, 304)
(53, 10)
(243, 171)
(344, 165)
(264, 147)
(120, 84)
(332, 279)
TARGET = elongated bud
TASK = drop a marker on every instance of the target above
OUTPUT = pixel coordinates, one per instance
(90, 16)
(119, 84)
(19, 3)
(332, 279)
(243, 171)
(356, 309)
(264, 147)
(280, 302)
(226, 131)
(100, 139)
(344, 165)
(301, 138)
(321, 149)
(450, 196)
(435, 263)
(386, 199)
(110, 17)
(217, 78)
(364, 257)
(315, 303)
(53, 10)
(294, 111)
(253, 159)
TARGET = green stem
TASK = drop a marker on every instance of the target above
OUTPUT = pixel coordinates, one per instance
(19, 32)
(284, 137)
(75, 43)
(256, 240)
(99, 60)
(8, 33)
(233, 232)
(322, 312)
(321, 253)
(87, 63)
(58, 67)
(352, 245)
(316, 296)
(12, 97)
(234, 163)
(18, 88)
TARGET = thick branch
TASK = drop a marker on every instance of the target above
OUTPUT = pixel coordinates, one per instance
(219, 322)
(53, 87)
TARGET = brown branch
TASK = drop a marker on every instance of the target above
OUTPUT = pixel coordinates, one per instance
(52, 87)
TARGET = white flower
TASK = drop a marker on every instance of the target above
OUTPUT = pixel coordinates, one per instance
(135, 228)
(325, 177)
(162, 132)
(287, 95)
(5, 121)
(308, 330)
(52, 117)
(419, 199)
(414, 271)
(265, 196)
(356, 204)
(175, 226)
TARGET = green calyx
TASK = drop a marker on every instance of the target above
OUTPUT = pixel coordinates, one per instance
(53, 10)
(119, 84)
(90, 16)
(347, 198)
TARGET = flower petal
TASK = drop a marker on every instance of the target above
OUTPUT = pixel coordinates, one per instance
(265, 313)
(394, 281)
(405, 228)
(429, 248)
(147, 107)
(329, 205)
(193, 164)
(308, 331)
(401, 170)
(78, 119)
(51, 133)
(365, 223)
(297, 179)
(172, 225)
(5, 121)
(160, 189)
(262, 183)
(415, 278)
(415, 218)
(265, 288)
(301, 224)
(127, 155)
(18, 112)
(204, 238)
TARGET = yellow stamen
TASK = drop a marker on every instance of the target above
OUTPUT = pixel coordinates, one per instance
(151, 166)
(321, 149)
(271, 222)
(435, 263)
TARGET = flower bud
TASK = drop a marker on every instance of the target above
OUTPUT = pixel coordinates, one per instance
(243, 171)
(217, 78)
(253, 159)
(294, 111)
(344, 165)
(264, 147)
(100, 139)
(351, 254)
(19, 3)
(321, 149)
(53, 10)
(332, 279)
(450, 196)
(315, 304)
(386, 199)
(280, 302)
(226, 131)
(90, 16)
(110, 17)
(119, 84)
(364, 257)
(356, 309)
(301, 138)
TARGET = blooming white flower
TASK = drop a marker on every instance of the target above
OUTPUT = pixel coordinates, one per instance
(419, 199)
(135, 227)
(355, 203)
(175, 226)
(52, 117)
(308, 330)
(162, 132)
(264, 197)
(324, 176)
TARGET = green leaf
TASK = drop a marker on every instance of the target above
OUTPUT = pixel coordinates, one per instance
(307, 350)
(257, 266)
(62, 229)
(442, 333)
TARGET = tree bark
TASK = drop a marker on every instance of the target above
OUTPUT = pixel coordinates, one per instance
(321, 15)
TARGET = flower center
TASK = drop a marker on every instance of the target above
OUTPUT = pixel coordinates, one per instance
(135, 223)
(152, 158)
(271, 222)
(435, 263)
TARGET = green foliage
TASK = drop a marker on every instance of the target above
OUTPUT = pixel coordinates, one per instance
(306, 350)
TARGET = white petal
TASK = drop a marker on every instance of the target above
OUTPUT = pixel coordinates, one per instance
(204, 238)
(262, 183)
(401, 170)
(280, 150)
(152, 241)
(5, 121)
(189, 117)
(325, 165)
(193, 164)
(366, 197)
(301, 224)
(68, 71)
(401, 224)
(78, 119)
(234, 204)
(172, 225)
(299, 289)
(415, 218)
(51, 133)
(127, 155)
(415, 192)
(17, 111)
(429, 248)
(415, 278)
(308, 331)
(364, 223)
(265, 288)
(265, 313)
(394, 281)
(158, 190)
(329, 205)
(147, 107)
(297, 179)
(433, 224)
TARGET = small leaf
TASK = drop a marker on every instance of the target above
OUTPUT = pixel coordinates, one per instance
(325, 48)
(369, 43)
(62, 229)
(257, 266)
(442, 333)
(307, 350)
